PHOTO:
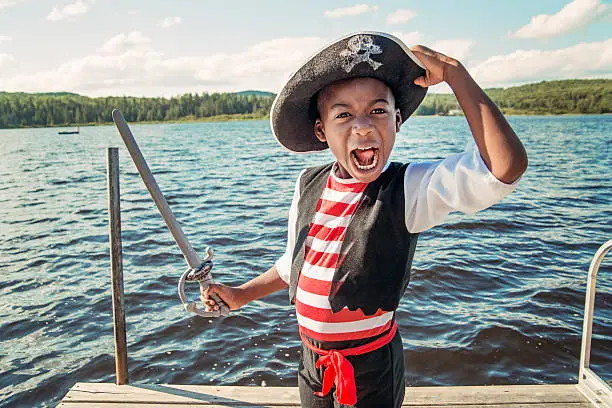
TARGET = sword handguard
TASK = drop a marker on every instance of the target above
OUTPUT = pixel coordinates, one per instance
(202, 275)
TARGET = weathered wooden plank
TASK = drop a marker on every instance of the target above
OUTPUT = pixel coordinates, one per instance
(136, 405)
(156, 405)
(481, 396)
(175, 394)
(497, 394)
(509, 405)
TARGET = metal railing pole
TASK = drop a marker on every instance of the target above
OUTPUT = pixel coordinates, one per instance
(589, 306)
(116, 257)
(590, 384)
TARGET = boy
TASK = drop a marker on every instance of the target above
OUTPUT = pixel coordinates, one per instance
(353, 224)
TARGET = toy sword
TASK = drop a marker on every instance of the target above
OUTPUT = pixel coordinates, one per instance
(199, 269)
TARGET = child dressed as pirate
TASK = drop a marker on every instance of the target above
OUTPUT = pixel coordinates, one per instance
(354, 223)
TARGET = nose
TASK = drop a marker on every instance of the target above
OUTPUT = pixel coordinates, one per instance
(362, 125)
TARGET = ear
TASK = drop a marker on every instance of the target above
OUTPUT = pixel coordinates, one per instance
(318, 131)
(398, 119)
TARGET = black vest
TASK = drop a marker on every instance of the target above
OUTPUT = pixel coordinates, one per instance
(377, 251)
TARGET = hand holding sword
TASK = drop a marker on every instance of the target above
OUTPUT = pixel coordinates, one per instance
(199, 269)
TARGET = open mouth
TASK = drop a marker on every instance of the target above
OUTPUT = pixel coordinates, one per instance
(365, 158)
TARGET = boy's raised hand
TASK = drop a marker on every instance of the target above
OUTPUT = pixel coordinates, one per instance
(436, 65)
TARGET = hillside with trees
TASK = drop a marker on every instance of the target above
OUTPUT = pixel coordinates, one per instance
(574, 96)
(17, 110)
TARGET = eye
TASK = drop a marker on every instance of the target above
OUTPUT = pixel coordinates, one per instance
(343, 115)
(378, 110)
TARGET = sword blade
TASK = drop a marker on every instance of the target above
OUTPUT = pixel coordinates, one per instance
(192, 258)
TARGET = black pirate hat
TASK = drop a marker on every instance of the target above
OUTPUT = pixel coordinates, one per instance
(364, 54)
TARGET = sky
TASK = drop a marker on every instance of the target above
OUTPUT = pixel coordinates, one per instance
(167, 48)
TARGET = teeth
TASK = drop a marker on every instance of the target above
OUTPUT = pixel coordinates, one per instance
(369, 166)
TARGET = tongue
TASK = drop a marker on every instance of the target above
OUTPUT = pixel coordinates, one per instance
(364, 157)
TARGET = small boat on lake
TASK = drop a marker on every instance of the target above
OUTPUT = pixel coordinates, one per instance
(69, 132)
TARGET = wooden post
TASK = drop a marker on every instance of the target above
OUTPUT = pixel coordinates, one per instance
(114, 230)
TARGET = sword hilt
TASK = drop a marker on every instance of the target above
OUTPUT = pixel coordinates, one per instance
(202, 275)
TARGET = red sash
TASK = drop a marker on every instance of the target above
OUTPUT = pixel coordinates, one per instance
(339, 371)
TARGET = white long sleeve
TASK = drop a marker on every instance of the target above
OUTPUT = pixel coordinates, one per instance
(283, 265)
(461, 182)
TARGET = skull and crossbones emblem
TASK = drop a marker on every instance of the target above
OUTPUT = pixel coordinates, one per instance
(360, 48)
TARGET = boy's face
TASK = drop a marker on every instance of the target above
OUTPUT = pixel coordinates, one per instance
(358, 120)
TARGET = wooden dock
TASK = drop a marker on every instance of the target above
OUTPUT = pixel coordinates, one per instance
(106, 395)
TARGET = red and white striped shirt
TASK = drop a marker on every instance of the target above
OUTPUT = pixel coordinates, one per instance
(315, 318)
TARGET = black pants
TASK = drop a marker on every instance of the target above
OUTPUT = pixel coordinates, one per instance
(379, 378)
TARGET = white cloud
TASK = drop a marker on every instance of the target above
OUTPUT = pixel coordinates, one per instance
(127, 42)
(271, 61)
(573, 16)
(459, 49)
(128, 64)
(9, 3)
(400, 16)
(441, 88)
(5, 59)
(70, 11)
(411, 38)
(350, 11)
(4, 38)
(170, 21)
(584, 60)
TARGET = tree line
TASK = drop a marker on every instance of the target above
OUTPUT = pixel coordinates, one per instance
(67, 109)
(574, 96)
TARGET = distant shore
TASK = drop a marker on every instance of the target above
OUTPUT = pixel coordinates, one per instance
(217, 118)
(249, 118)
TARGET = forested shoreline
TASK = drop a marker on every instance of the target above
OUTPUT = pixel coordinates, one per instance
(592, 96)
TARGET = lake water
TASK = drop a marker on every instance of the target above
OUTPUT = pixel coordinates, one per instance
(495, 297)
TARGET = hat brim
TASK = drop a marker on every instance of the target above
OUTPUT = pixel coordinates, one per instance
(395, 65)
